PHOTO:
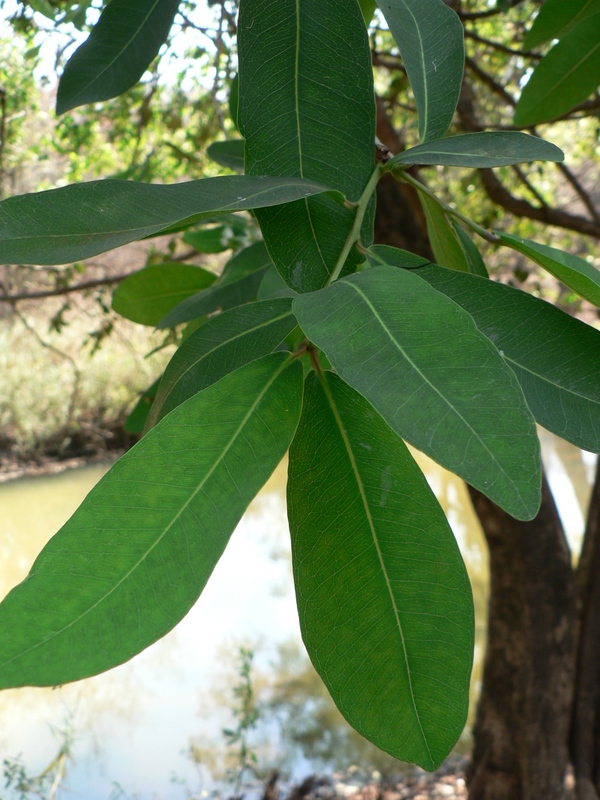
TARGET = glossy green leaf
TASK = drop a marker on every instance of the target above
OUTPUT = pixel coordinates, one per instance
(120, 47)
(148, 295)
(228, 154)
(484, 149)
(136, 421)
(474, 260)
(555, 18)
(82, 220)
(383, 595)
(134, 557)
(221, 296)
(565, 77)
(429, 35)
(209, 240)
(573, 271)
(445, 244)
(307, 109)
(433, 376)
(223, 344)
(555, 357)
(368, 9)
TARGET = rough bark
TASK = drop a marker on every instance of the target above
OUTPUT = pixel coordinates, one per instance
(585, 731)
(522, 725)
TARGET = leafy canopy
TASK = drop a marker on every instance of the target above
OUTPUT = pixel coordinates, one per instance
(313, 338)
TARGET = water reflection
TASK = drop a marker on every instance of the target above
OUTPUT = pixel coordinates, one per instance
(159, 716)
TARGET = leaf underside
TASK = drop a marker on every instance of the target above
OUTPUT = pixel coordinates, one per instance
(383, 595)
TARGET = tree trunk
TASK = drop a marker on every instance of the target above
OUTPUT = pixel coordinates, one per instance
(523, 718)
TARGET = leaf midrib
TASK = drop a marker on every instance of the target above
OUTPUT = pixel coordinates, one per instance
(371, 524)
(161, 536)
(428, 382)
(137, 32)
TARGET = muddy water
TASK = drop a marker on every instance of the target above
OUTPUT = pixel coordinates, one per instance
(148, 723)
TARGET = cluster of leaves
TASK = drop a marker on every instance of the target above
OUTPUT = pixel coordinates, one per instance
(336, 349)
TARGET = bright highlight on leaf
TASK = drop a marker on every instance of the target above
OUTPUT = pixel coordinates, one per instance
(429, 35)
(383, 595)
(118, 50)
(419, 359)
(134, 557)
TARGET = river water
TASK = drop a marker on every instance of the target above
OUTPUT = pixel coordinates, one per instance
(152, 728)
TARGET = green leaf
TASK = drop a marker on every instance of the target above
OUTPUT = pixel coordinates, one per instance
(223, 344)
(149, 294)
(307, 109)
(209, 240)
(137, 419)
(573, 271)
(43, 7)
(221, 296)
(135, 556)
(485, 149)
(120, 47)
(78, 221)
(273, 285)
(445, 244)
(474, 260)
(555, 357)
(249, 260)
(565, 77)
(385, 604)
(436, 380)
(368, 9)
(555, 18)
(429, 36)
(234, 102)
(228, 154)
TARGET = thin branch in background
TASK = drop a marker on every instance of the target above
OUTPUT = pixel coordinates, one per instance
(501, 47)
(529, 186)
(581, 192)
(2, 137)
(60, 354)
(489, 81)
(215, 87)
(62, 290)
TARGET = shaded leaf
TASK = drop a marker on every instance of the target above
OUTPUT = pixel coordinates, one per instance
(445, 244)
(484, 149)
(474, 260)
(565, 77)
(368, 9)
(555, 18)
(209, 240)
(223, 344)
(135, 556)
(247, 261)
(307, 109)
(555, 357)
(383, 595)
(228, 154)
(429, 36)
(82, 220)
(221, 296)
(137, 419)
(573, 271)
(118, 50)
(433, 376)
(149, 294)
(273, 285)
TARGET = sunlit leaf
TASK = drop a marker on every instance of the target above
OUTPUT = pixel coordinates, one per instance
(474, 260)
(434, 377)
(134, 557)
(82, 220)
(383, 595)
(573, 271)
(307, 109)
(485, 149)
(444, 241)
(565, 77)
(429, 35)
(555, 357)
(223, 344)
(120, 47)
(148, 295)
(137, 419)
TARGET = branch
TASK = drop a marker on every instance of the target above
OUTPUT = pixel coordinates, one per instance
(62, 290)
(583, 195)
(489, 81)
(501, 47)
